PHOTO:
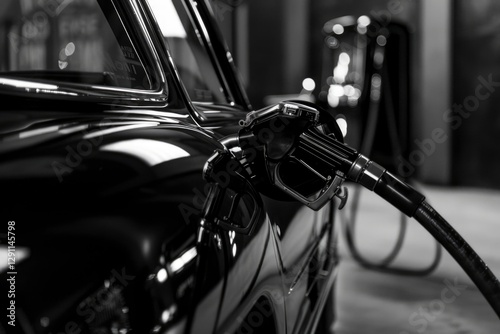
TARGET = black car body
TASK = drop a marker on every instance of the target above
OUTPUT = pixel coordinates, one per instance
(110, 111)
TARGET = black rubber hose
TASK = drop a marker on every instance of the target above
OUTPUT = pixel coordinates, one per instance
(466, 257)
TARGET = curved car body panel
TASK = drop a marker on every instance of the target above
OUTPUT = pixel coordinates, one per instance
(106, 189)
(110, 194)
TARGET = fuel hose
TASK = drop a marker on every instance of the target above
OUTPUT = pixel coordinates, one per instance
(413, 204)
(462, 252)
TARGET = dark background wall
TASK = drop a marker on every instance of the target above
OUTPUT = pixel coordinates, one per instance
(476, 57)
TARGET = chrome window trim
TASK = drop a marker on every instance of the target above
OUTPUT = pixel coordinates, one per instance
(193, 9)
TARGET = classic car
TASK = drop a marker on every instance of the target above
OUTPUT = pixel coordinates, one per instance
(110, 111)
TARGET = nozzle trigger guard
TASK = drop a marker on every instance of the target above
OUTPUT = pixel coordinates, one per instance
(331, 188)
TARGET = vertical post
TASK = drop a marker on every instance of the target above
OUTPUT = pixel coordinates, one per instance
(296, 35)
(434, 90)
(241, 42)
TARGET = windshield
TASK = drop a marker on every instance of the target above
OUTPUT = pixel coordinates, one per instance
(76, 41)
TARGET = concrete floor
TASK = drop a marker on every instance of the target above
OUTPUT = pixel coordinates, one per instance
(374, 302)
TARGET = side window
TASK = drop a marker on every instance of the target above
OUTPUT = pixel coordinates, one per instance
(79, 42)
(189, 53)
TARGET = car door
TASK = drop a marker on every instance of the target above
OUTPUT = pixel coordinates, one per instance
(273, 249)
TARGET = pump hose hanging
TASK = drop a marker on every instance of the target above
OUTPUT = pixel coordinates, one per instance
(384, 264)
(349, 223)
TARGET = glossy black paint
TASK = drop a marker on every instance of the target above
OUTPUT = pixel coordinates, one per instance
(108, 196)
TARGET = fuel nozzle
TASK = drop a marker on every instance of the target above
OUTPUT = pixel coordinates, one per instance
(305, 157)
